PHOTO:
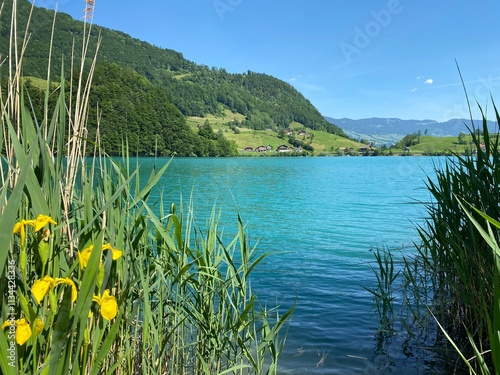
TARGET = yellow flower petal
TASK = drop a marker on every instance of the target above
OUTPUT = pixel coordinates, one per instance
(108, 304)
(43, 220)
(41, 287)
(69, 282)
(5, 324)
(23, 331)
(18, 227)
(84, 256)
(109, 307)
(115, 253)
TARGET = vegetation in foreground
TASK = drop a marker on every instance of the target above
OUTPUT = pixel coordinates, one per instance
(99, 280)
(454, 276)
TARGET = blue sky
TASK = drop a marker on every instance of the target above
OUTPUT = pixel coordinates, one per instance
(356, 59)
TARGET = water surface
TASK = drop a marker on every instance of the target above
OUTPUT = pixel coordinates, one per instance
(319, 218)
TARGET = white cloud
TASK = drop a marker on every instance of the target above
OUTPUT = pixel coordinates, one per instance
(413, 89)
(429, 81)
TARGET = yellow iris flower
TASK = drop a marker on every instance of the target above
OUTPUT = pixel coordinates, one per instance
(23, 330)
(115, 253)
(108, 305)
(19, 228)
(39, 223)
(41, 287)
(43, 220)
(84, 255)
(68, 281)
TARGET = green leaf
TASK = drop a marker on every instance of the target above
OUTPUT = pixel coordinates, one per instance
(37, 198)
(5, 361)
(151, 183)
(59, 346)
(87, 286)
(10, 210)
(233, 370)
(107, 343)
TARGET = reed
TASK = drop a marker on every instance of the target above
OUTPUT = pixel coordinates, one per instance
(100, 279)
(485, 360)
(453, 274)
(460, 260)
(386, 287)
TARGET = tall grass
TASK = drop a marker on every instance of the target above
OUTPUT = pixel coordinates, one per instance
(459, 259)
(98, 278)
(486, 361)
(453, 274)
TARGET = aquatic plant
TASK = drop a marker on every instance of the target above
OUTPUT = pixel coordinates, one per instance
(485, 360)
(101, 280)
(452, 274)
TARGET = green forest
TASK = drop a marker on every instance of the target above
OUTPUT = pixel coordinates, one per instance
(144, 93)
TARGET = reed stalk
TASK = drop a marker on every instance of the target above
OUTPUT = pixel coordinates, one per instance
(101, 280)
(453, 273)
(485, 360)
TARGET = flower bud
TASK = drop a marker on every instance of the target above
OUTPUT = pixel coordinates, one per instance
(43, 251)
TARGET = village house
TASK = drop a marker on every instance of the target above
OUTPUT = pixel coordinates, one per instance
(346, 150)
(366, 150)
(283, 148)
(261, 149)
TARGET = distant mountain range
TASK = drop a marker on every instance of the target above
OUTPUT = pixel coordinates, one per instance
(390, 130)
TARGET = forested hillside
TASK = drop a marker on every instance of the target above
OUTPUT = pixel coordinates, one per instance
(131, 105)
(194, 89)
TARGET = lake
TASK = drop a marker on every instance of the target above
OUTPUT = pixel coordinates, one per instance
(319, 218)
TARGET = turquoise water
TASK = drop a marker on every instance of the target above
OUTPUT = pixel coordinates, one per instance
(319, 218)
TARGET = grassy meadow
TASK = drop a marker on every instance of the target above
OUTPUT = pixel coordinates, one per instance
(323, 142)
(36, 82)
(442, 145)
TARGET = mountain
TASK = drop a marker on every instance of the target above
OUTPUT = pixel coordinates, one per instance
(390, 130)
(194, 89)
